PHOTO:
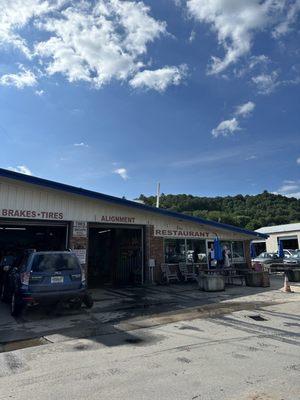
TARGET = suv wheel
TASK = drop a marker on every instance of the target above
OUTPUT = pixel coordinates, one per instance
(16, 306)
(75, 304)
(88, 300)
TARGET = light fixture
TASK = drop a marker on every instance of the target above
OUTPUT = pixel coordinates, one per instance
(14, 229)
(108, 230)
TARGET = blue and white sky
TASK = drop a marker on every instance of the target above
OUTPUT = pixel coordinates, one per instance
(114, 95)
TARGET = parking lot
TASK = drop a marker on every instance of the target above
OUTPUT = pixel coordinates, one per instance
(128, 308)
(241, 344)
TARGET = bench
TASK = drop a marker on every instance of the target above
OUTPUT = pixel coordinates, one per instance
(168, 274)
(186, 273)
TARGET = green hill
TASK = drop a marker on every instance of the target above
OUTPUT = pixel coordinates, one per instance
(250, 212)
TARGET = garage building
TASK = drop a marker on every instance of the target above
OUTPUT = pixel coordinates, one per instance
(288, 234)
(117, 240)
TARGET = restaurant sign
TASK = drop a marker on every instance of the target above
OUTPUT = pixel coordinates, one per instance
(181, 233)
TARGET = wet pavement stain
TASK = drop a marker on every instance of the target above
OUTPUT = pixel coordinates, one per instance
(23, 344)
(135, 340)
(257, 318)
(14, 364)
(184, 360)
(82, 347)
(239, 356)
(191, 328)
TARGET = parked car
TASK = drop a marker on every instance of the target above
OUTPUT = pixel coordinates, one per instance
(237, 258)
(267, 258)
(288, 253)
(294, 260)
(45, 277)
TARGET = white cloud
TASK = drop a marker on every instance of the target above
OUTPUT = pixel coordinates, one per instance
(289, 189)
(226, 128)
(245, 109)
(39, 92)
(81, 144)
(22, 169)
(122, 172)
(258, 60)
(99, 43)
(266, 83)
(192, 36)
(286, 26)
(236, 22)
(19, 80)
(91, 41)
(230, 126)
(252, 157)
(16, 14)
(159, 79)
(178, 3)
(298, 161)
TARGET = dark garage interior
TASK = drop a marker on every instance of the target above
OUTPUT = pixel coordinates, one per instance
(14, 238)
(115, 256)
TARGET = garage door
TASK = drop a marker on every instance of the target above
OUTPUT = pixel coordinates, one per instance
(18, 236)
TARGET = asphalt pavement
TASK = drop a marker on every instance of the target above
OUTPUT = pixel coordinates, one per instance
(226, 357)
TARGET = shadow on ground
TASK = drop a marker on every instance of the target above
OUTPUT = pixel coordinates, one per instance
(118, 312)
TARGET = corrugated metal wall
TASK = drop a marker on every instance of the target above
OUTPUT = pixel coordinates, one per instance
(20, 196)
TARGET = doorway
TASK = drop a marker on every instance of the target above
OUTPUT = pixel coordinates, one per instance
(115, 256)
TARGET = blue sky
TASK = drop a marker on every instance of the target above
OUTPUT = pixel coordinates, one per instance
(201, 95)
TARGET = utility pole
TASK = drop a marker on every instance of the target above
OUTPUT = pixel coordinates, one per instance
(158, 195)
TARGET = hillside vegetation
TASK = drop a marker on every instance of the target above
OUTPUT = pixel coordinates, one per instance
(250, 212)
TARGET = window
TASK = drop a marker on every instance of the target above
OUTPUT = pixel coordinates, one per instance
(174, 251)
(54, 262)
(181, 250)
(236, 249)
(238, 254)
(196, 251)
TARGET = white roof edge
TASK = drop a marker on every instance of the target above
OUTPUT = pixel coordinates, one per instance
(279, 228)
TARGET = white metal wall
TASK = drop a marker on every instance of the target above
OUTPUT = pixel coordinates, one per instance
(272, 241)
(18, 196)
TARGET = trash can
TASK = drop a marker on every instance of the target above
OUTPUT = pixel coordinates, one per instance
(213, 283)
(200, 280)
(257, 279)
(293, 275)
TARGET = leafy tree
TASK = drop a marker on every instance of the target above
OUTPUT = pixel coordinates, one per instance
(250, 212)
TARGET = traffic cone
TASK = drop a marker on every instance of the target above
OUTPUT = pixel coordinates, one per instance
(286, 286)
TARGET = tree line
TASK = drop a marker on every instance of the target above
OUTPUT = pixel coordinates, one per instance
(249, 212)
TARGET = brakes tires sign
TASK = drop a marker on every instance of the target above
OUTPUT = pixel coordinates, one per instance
(34, 214)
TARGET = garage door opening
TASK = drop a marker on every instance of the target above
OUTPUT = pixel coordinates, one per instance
(115, 256)
(15, 238)
(290, 243)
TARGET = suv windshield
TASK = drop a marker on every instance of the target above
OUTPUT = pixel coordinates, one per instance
(54, 262)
